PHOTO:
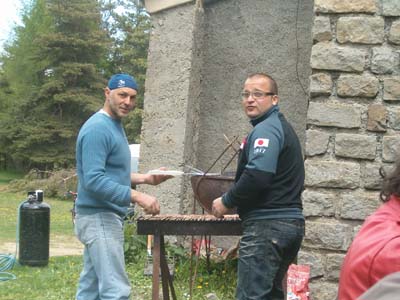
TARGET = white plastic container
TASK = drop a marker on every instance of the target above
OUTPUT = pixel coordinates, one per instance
(135, 151)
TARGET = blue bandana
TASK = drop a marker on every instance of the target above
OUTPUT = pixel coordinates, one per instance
(122, 80)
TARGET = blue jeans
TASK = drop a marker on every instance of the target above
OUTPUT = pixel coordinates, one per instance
(103, 275)
(266, 250)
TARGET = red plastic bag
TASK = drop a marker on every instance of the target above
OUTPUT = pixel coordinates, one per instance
(298, 277)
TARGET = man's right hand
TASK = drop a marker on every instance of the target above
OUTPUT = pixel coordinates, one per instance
(149, 203)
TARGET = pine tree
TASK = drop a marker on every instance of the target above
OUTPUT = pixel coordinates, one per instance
(68, 85)
(53, 72)
(129, 29)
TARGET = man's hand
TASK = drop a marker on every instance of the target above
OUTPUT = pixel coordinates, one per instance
(149, 178)
(149, 203)
(156, 179)
(219, 209)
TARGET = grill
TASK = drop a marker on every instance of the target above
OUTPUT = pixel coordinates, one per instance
(206, 188)
(161, 225)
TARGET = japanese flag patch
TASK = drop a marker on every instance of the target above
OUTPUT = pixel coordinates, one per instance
(261, 143)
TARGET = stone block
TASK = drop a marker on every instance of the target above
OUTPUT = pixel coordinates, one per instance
(321, 290)
(328, 56)
(384, 60)
(329, 236)
(370, 176)
(390, 8)
(358, 205)
(332, 174)
(377, 118)
(390, 148)
(334, 115)
(319, 203)
(355, 146)
(320, 84)
(350, 6)
(391, 88)
(316, 142)
(333, 266)
(361, 30)
(322, 29)
(357, 86)
(394, 33)
(394, 118)
(314, 260)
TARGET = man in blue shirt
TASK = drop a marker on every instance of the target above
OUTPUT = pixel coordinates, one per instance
(105, 193)
(267, 193)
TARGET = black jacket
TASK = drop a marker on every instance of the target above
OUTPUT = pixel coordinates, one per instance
(270, 173)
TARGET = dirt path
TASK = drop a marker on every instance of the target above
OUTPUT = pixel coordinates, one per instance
(59, 246)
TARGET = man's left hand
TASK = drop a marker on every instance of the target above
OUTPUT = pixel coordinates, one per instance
(218, 208)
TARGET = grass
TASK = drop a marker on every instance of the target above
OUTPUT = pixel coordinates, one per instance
(56, 281)
(60, 216)
(7, 176)
(59, 279)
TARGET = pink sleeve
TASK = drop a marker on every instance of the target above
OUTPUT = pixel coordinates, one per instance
(386, 261)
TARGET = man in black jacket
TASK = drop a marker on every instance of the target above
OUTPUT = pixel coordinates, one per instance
(267, 193)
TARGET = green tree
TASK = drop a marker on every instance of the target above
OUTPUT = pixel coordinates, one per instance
(68, 87)
(129, 26)
(53, 71)
(20, 78)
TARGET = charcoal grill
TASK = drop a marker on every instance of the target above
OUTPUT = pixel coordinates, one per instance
(206, 188)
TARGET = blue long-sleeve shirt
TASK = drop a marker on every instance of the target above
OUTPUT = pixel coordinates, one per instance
(103, 166)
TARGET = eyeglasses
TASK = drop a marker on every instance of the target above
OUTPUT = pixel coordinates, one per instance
(256, 95)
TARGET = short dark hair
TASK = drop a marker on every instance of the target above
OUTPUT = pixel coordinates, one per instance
(272, 82)
(391, 182)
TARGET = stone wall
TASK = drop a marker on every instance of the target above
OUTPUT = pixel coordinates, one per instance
(353, 125)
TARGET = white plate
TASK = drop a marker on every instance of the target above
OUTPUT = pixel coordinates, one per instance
(166, 172)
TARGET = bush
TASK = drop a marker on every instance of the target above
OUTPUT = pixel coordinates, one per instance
(54, 184)
(135, 245)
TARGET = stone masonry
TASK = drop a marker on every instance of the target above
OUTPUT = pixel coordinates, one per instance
(353, 125)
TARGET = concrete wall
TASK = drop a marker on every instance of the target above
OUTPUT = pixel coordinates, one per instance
(198, 60)
(243, 37)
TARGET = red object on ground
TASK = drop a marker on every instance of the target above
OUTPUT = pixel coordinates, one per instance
(298, 277)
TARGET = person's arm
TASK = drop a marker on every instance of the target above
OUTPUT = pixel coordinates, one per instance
(149, 203)
(259, 171)
(137, 178)
(248, 188)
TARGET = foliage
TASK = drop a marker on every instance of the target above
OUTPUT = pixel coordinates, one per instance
(56, 183)
(53, 71)
(66, 85)
(129, 29)
(135, 245)
(20, 76)
(7, 176)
